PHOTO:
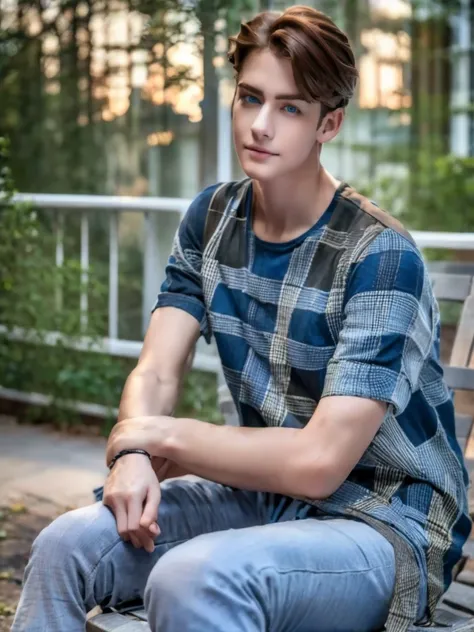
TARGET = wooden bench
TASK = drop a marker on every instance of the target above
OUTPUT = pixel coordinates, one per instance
(456, 610)
(454, 283)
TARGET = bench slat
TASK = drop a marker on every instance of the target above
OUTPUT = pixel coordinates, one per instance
(115, 622)
(463, 426)
(469, 463)
(140, 614)
(451, 287)
(460, 596)
(463, 342)
(468, 549)
(459, 378)
(445, 615)
(466, 577)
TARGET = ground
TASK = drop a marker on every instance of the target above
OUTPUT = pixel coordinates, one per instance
(43, 473)
(18, 528)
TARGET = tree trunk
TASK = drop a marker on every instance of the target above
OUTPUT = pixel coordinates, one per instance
(431, 84)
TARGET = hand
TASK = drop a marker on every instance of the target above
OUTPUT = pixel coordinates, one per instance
(132, 492)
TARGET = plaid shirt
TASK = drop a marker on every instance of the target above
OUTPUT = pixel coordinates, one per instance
(344, 309)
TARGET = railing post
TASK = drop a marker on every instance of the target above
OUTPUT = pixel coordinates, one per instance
(224, 133)
(84, 270)
(113, 275)
(59, 258)
(151, 267)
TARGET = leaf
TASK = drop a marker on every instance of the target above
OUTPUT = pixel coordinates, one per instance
(6, 575)
(6, 610)
(3, 534)
(18, 508)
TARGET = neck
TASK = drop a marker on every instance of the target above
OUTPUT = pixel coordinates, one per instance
(288, 207)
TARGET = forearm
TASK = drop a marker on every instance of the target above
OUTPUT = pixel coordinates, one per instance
(312, 462)
(145, 394)
(268, 459)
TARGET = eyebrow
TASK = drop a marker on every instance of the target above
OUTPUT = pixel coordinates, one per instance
(279, 97)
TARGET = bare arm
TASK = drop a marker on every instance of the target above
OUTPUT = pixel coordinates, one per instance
(132, 490)
(153, 387)
(312, 462)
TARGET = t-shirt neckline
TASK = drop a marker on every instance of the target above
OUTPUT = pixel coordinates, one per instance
(284, 245)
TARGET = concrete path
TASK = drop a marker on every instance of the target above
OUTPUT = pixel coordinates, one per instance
(37, 462)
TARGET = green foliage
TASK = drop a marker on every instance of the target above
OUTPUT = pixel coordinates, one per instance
(437, 194)
(442, 199)
(199, 397)
(442, 194)
(37, 298)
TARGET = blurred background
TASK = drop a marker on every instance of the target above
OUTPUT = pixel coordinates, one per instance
(131, 98)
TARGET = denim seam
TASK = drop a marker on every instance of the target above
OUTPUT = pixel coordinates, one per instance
(325, 572)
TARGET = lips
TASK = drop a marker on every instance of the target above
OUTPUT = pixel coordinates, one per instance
(260, 150)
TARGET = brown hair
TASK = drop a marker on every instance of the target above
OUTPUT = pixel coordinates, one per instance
(320, 53)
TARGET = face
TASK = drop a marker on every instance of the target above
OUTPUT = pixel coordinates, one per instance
(276, 131)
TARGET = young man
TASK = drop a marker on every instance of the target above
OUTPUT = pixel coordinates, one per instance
(340, 504)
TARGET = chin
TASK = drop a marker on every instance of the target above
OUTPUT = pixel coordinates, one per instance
(262, 173)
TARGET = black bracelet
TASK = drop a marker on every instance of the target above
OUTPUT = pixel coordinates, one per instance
(124, 452)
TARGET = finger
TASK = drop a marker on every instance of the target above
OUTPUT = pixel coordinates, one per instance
(122, 523)
(154, 529)
(140, 538)
(150, 511)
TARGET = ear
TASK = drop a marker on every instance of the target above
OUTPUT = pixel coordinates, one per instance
(330, 125)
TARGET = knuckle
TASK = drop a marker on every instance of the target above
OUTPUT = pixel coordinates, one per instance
(108, 500)
(114, 498)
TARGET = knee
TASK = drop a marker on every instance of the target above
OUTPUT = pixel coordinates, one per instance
(73, 532)
(206, 583)
(206, 565)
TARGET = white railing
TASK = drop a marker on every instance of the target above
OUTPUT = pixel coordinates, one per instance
(205, 357)
(445, 241)
(114, 205)
(150, 207)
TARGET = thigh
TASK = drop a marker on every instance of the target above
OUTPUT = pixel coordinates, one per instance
(332, 575)
(302, 576)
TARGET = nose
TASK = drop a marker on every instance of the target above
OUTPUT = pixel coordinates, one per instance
(262, 126)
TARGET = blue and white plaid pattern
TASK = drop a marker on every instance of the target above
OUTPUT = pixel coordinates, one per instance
(345, 309)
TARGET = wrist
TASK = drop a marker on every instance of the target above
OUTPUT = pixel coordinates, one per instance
(123, 453)
(152, 434)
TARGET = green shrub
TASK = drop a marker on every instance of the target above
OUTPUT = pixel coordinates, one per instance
(437, 194)
(36, 298)
(39, 298)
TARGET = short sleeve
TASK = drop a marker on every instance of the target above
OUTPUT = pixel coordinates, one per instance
(389, 325)
(182, 287)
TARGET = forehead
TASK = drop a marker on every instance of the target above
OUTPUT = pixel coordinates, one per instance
(269, 73)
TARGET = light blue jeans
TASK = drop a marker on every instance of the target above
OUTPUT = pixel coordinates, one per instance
(226, 561)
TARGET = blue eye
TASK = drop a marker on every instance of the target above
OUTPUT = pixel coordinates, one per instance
(292, 109)
(250, 99)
